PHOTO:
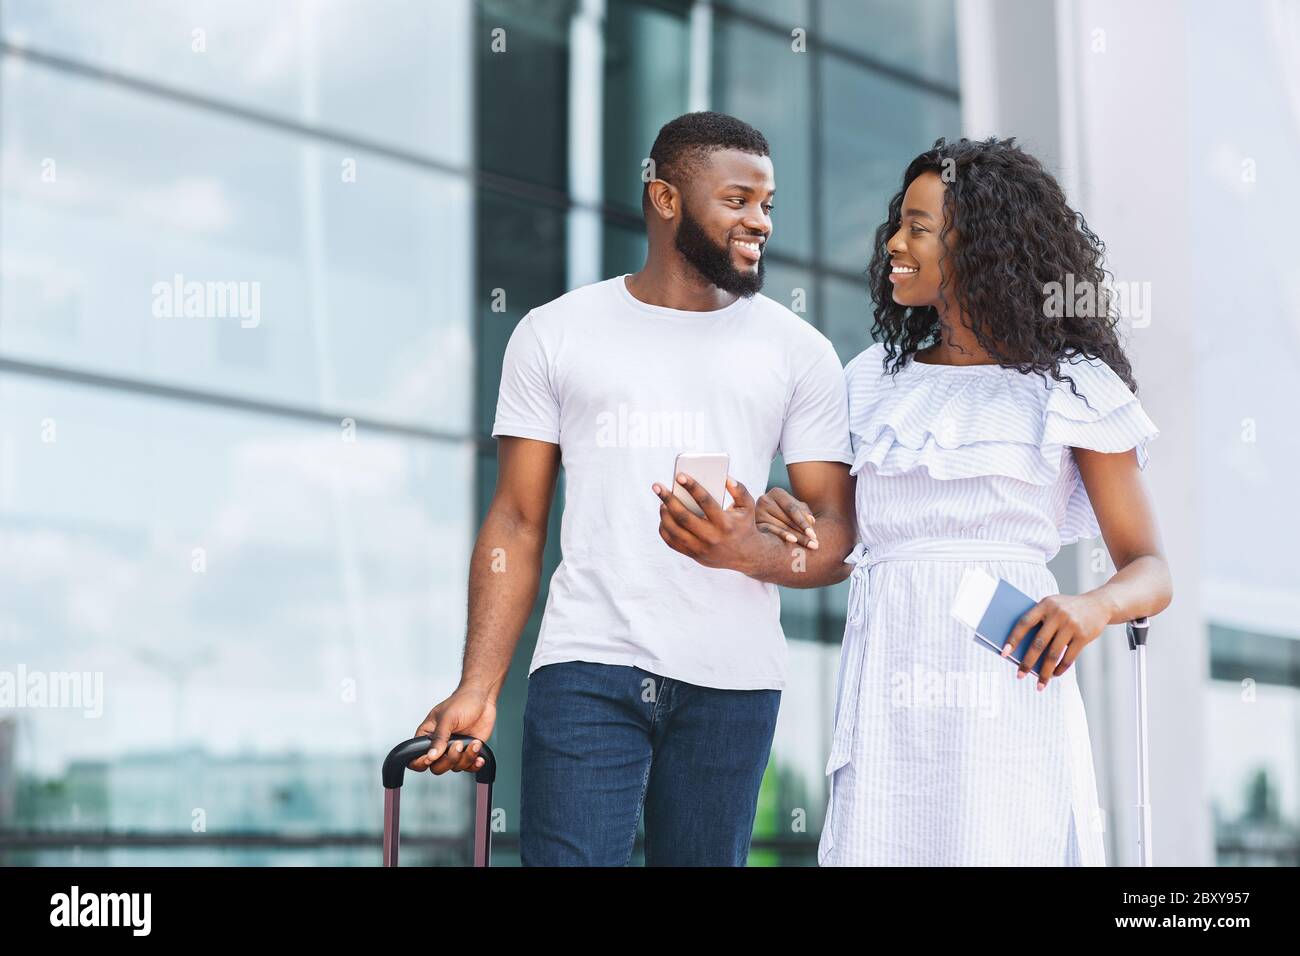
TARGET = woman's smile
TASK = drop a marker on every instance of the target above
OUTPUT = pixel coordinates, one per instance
(900, 273)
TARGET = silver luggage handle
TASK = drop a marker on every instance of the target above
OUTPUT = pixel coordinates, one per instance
(395, 772)
(1138, 629)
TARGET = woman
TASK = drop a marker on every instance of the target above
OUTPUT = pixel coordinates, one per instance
(992, 424)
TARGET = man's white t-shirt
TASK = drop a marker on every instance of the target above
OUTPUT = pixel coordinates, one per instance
(623, 386)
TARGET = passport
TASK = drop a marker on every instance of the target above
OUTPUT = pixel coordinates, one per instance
(991, 607)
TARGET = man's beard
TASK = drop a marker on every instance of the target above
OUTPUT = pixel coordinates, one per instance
(713, 261)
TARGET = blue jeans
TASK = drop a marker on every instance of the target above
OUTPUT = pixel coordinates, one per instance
(603, 740)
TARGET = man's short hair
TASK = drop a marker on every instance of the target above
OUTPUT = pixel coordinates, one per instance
(683, 143)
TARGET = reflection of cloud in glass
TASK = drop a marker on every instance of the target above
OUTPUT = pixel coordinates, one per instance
(364, 287)
(184, 203)
(287, 59)
(326, 562)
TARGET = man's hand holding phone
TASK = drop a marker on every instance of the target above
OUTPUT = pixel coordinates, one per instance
(719, 539)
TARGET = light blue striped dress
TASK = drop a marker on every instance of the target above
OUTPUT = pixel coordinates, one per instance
(940, 756)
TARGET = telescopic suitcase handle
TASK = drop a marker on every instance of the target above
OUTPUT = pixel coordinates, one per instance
(1137, 630)
(395, 772)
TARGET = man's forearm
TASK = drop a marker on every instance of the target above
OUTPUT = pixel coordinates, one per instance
(504, 578)
(795, 566)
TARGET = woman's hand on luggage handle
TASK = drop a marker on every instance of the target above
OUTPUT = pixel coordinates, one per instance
(1070, 622)
(466, 711)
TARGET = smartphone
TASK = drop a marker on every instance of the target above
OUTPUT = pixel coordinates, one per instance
(707, 468)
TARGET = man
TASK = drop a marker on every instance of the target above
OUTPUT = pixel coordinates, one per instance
(658, 670)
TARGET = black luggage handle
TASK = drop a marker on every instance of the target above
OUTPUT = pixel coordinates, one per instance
(395, 772)
(401, 755)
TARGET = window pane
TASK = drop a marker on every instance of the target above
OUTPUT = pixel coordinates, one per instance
(374, 69)
(523, 89)
(261, 608)
(873, 127)
(848, 317)
(920, 37)
(758, 78)
(787, 14)
(521, 266)
(625, 249)
(792, 287)
(1255, 785)
(799, 606)
(794, 787)
(646, 66)
(295, 284)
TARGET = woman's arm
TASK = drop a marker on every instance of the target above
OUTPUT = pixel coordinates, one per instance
(1140, 587)
(822, 509)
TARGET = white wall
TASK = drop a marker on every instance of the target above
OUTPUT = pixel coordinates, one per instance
(1103, 109)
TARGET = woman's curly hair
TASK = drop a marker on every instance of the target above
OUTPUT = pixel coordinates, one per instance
(1015, 235)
